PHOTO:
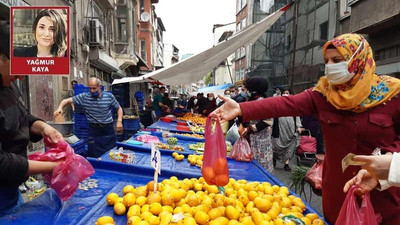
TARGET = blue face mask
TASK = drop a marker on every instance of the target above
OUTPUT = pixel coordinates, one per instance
(95, 94)
(243, 94)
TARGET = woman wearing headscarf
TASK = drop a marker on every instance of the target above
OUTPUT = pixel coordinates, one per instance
(358, 110)
(259, 130)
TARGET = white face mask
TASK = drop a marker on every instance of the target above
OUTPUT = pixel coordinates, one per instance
(285, 94)
(210, 98)
(195, 101)
(338, 73)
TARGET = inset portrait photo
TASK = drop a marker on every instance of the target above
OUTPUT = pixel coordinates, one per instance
(39, 40)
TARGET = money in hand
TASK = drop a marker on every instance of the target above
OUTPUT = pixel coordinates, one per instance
(348, 161)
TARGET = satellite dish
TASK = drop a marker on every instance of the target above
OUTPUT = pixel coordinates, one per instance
(145, 17)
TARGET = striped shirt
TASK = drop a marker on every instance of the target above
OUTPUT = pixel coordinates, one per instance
(97, 110)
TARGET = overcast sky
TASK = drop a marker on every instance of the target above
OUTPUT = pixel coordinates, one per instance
(189, 23)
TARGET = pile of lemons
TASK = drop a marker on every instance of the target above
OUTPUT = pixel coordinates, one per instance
(195, 160)
(193, 201)
(177, 156)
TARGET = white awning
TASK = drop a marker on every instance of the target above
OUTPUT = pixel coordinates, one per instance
(196, 67)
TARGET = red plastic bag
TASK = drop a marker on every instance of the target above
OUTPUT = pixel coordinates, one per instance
(65, 177)
(307, 144)
(314, 175)
(352, 214)
(241, 150)
(215, 166)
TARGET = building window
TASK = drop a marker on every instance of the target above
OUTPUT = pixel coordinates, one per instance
(122, 30)
(143, 50)
(97, 12)
(240, 5)
(243, 22)
(323, 31)
(344, 8)
(243, 4)
(387, 53)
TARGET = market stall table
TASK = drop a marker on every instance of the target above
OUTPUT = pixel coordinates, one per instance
(85, 207)
(172, 126)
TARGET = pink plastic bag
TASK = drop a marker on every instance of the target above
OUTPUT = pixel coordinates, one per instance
(65, 177)
(215, 165)
(145, 138)
(352, 214)
(314, 175)
(241, 151)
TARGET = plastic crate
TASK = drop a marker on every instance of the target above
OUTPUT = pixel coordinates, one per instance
(130, 124)
(80, 147)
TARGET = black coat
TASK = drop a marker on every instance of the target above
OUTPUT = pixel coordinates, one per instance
(25, 52)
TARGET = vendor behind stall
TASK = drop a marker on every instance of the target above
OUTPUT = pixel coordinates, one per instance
(17, 128)
(97, 106)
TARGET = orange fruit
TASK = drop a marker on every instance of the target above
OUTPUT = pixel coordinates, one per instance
(220, 166)
(208, 174)
(222, 179)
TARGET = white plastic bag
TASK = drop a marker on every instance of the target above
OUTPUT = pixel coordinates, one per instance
(233, 134)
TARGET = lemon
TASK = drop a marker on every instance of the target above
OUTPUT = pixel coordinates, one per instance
(232, 213)
(128, 189)
(318, 222)
(273, 213)
(140, 191)
(189, 221)
(155, 208)
(178, 210)
(154, 220)
(257, 217)
(141, 200)
(129, 199)
(262, 204)
(279, 221)
(244, 199)
(233, 222)
(193, 200)
(204, 208)
(167, 208)
(143, 223)
(306, 220)
(312, 216)
(219, 221)
(112, 198)
(247, 221)
(119, 208)
(252, 195)
(133, 211)
(105, 220)
(146, 215)
(166, 218)
(201, 217)
(134, 220)
(145, 208)
(215, 213)
(153, 197)
(186, 208)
